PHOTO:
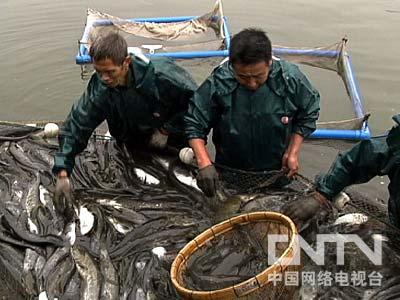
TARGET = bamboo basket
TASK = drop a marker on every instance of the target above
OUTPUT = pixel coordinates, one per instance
(257, 287)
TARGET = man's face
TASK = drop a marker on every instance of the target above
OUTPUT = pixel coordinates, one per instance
(110, 73)
(252, 76)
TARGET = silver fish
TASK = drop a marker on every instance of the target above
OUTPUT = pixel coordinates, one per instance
(354, 218)
(30, 259)
(110, 285)
(86, 220)
(31, 201)
(146, 177)
(89, 273)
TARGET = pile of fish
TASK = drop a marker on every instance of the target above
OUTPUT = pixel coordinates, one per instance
(134, 211)
(131, 220)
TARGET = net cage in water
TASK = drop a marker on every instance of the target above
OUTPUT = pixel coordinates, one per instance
(192, 39)
(248, 231)
(179, 37)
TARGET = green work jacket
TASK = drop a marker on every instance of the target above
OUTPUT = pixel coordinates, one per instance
(156, 95)
(251, 129)
(363, 162)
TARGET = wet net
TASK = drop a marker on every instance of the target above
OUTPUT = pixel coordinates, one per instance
(252, 182)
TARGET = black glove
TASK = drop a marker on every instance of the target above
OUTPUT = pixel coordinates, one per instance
(63, 198)
(158, 139)
(207, 180)
(304, 208)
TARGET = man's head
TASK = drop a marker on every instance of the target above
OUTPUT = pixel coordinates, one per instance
(250, 54)
(110, 58)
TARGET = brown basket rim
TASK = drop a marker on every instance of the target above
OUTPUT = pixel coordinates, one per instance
(219, 229)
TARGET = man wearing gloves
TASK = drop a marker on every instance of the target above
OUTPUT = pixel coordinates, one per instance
(143, 101)
(358, 165)
(260, 110)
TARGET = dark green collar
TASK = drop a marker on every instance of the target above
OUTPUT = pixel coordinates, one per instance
(143, 76)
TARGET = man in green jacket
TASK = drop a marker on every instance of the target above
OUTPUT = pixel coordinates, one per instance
(143, 101)
(260, 110)
(358, 165)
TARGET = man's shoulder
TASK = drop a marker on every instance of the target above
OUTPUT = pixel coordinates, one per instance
(96, 86)
(223, 78)
(168, 69)
(285, 68)
(162, 64)
(223, 70)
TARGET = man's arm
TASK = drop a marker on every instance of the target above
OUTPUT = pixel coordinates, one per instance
(201, 114)
(291, 156)
(84, 117)
(175, 87)
(357, 165)
(200, 152)
(199, 119)
(307, 99)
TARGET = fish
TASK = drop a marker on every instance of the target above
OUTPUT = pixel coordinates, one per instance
(123, 228)
(353, 218)
(60, 277)
(110, 284)
(17, 228)
(59, 255)
(28, 271)
(72, 289)
(70, 232)
(341, 200)
(13, 259)
(63, 201)
(25, 162)
(31, 203)
(389, 290)
(163, 162)
(89, 273)
(259, 202)
(47, 201)
(86, 220)
(146, 178)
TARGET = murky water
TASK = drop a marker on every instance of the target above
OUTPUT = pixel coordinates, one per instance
(39, 78)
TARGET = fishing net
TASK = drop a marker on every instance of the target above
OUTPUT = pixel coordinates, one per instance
(231, 260)
(252, 182)
(201, 39)
(135, 212)
(202, 33)
(198, 35)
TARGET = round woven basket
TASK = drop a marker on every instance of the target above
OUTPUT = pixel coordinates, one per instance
(257, 287)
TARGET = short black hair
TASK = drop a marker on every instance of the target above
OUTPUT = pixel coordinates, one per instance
(250, 46)
(111, 46)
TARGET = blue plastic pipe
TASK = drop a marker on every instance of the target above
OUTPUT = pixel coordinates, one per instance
(193, 54)
(341, 134)
(286, 51)
(106, 22)
(86, 59)
(83, 58)
(355, 94)
(227, 33)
